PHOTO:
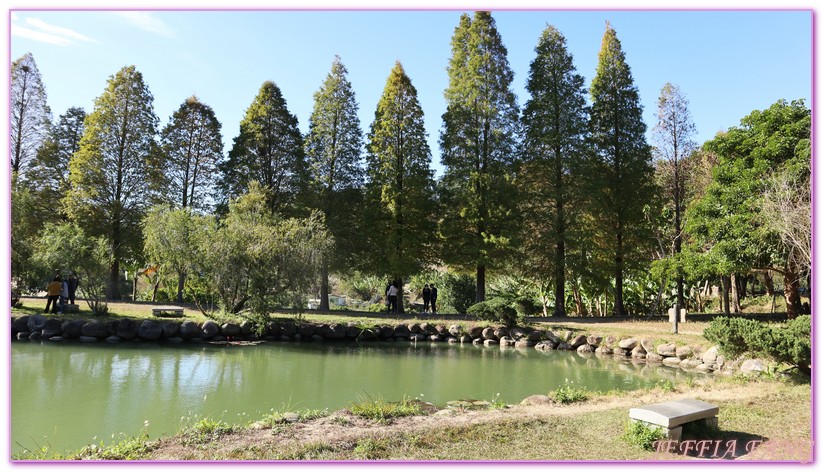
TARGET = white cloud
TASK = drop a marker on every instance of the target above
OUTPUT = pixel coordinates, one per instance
(146, 22)
(40, 36)
(57, 30)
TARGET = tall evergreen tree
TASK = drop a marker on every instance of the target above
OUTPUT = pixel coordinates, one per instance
(30, 114)
(673, 138)
(621, 170)
(477, 142)
(50, 168)
(400, 186)
(114, 173)
(269, 150)
(555, 122)
(333, 148)
(193, 147)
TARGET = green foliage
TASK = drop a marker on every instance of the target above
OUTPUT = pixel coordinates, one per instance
(382, 411)
(205, 431)
(496, 309)
(477, 147)
(399, 190)
(269, 151)
(116, 173)
(359, 286)
(789, 343)
(129, 448)
(65, 248)
(569, 393)
(642, 435)
(456, 291)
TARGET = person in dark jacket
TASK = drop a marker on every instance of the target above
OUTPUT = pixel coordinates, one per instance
(73, 283)
(426, 298)
(433, 300)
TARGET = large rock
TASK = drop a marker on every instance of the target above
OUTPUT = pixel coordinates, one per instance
(95, 329)
(477, 341)
(672, 361)
(368, 334)
(585, 349)
(753, 366)
(127, 329)
(500, 332)
(441, 329)
(336, 331)
(465, 339)
(517, 333)
(710, 356)
(536, 400)
(273, 329)
(436, 338)
(567, 336)
(23, 335)
(353, 331)
(545, 346)
(230, 329)
(21, 324)
(690, 363)
(35, 323)
(489, 342)
(305, 330)
(150, 330)
(246, 327)
(578, 341)
(648, 344)
(190, 330)
(523, 343)
(72, 329)
(604, 350)
(506, 341)
(654, 357)
(476, 331)
(53, 327)
(210, 328)
(553, 338)
(170, 329)
(113, 339)
(638, 352)
(683, 352)
(628, 343)
(488, 334)
(401, 331)
(594, 341)
(564, 346)
(288, 328)
(667, 350)
(427, 328)
(534, 336)
(455, 330)
(620, 352)
(452, 340)
(414, 328)
(386, 332)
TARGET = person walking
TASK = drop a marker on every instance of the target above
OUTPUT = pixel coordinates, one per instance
(53, 294)
(73, 283)
(386, 293)
(426, 298)
(393, 297)
(433, 298)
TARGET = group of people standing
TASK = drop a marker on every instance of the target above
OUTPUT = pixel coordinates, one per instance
(429, 297)
(59, 292)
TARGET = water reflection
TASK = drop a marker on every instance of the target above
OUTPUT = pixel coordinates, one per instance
(65, 395)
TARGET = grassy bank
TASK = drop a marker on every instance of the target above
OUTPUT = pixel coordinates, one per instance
(778, 413)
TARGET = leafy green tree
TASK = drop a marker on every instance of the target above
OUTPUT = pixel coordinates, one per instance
(478, 142)
(171, 240)
(114, 175)
(333, 148)
(728, 221)
(257, 259)
(49, 172)
(673, 138)
(193, 147)
(400, 186)
(620, 173)
(555, 128)
(30, 114)
(67, 247)
(268, 150)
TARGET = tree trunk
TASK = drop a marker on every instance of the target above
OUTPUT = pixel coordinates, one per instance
(735, 294)
(480, 294)
(768, 282)
(400, 303)
(791, 292)
(560, 279)
(579, 306)
(324, 285)
(619, 309)
(113, 290)
(181, 283)
(724, 284)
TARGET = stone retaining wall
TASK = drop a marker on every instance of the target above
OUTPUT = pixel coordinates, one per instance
(39, 327)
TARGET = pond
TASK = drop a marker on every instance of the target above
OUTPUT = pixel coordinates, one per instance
(69, 395)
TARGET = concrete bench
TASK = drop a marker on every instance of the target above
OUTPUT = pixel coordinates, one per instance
(167, 311)
(671, 416)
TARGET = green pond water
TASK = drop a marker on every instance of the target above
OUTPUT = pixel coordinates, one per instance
(69, 395)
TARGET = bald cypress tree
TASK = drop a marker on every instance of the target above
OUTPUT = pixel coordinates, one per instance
(621, 172)
(478, 143)
(334, 150)
(399, 189)
(30, 114)
(555, 123)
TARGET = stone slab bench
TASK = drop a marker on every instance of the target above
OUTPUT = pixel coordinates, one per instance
(167, 311)
(671, 416)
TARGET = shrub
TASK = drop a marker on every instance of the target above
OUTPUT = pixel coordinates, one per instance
(568, 393)
(459, 291)
(642, 435)
(789, 343)
(498, 310)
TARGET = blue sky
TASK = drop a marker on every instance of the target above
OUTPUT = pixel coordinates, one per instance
(728, 63)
